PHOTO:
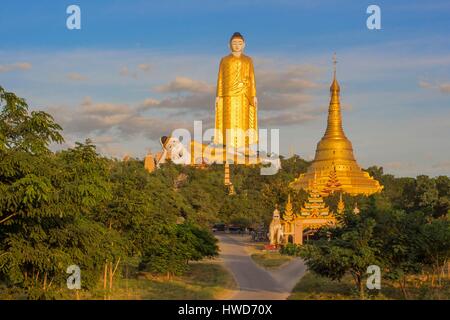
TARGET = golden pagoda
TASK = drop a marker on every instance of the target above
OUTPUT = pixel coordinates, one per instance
(335, 152)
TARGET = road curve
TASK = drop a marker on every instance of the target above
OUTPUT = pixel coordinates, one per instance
(255, 282)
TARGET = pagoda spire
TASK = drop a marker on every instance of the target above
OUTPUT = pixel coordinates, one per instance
(334, 66)
(334, 123)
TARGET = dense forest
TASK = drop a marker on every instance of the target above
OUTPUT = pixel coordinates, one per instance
(78, 207)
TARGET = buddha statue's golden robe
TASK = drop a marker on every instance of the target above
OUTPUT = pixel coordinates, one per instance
(235, 109)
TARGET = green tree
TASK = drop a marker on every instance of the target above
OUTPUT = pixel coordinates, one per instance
(427, 195)
(434, 246)
(43, 199)
(442, 208)
(348, 249)
(397, 238)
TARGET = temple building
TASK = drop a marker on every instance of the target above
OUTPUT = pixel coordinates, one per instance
(293, 227)
(334, 164)
(315, 207)
(313, 214)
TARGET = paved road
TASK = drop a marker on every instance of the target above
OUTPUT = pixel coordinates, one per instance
(256, 283)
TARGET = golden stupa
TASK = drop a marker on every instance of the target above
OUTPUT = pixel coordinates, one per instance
(335, 153)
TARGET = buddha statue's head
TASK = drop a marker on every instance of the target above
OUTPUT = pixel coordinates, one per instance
(237, 43)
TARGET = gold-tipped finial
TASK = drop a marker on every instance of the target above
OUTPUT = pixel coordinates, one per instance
(334, 85)
(334, 62)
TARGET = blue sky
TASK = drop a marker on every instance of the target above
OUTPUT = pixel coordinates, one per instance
(136, 69)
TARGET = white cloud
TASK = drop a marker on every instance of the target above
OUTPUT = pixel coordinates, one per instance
(144, 67)
(278, 90)
(443, 87)
(111, 119)
(185, 85)
(425, 84)
(442, 165)
(22, 66)
(76, 76)
(399, 165)
(125, 71)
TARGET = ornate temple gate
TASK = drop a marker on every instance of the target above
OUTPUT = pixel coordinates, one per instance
(302, 223)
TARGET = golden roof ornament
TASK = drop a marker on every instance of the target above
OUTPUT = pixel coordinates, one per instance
(333, 183)
(335, 152)
(341, 205)
(288, 212)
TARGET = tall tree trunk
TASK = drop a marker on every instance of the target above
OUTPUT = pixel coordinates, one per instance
(50, 283)
(359, 285)
(45, 281)
(402, 283)
(110, 265)
(114, 272)
(362, 295)
(126, 281)
(110, 276)
(105, 275)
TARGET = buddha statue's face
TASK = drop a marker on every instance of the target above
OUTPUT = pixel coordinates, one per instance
(237, 45)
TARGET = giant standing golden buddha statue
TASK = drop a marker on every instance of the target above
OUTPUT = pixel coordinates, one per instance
(334, 157)
(236, 103)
